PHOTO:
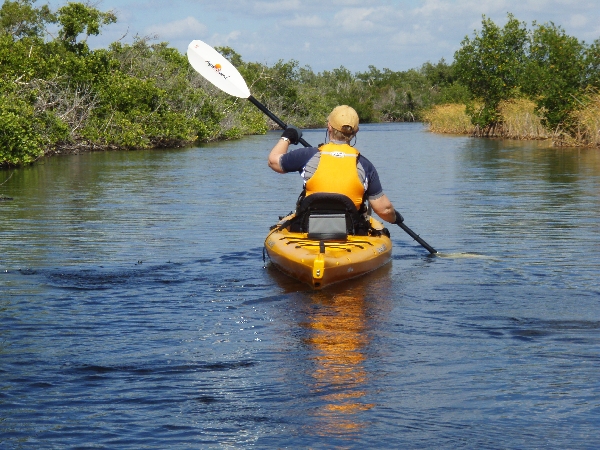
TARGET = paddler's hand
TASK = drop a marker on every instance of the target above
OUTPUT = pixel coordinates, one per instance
(292, 134)
(399, 218)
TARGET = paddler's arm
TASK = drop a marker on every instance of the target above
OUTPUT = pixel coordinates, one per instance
(377, 199)
(290, 135)
(383, 207)
(280, 149)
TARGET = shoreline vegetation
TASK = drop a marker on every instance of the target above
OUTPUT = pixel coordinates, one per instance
(522, 83)
(59, 96)
(519, 119)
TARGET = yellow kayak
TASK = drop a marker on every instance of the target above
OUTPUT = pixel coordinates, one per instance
(321, 262)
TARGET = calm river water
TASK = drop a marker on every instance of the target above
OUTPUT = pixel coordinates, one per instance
(135, 311)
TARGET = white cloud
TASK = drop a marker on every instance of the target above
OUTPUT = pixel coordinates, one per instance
(262, 10)
(275, 7)
(225, 40)
(416, 36)
(345, 3)
(313, 21)
(178, 29)
(535, 5)
(368, 21)
(431, 7)
(354, 19)
(578, 21)
(281, 7)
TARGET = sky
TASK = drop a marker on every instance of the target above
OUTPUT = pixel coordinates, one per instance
(324, 35)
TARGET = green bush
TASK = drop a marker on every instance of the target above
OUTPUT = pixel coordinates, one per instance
(543, 64)
(19, 141)
(554, 72)
(491, 66)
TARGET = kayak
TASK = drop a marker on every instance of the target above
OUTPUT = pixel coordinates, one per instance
(322, 262)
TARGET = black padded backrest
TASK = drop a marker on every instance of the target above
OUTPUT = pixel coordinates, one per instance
(323, 204)
(327, 203)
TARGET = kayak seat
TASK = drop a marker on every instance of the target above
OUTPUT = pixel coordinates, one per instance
(328, 216)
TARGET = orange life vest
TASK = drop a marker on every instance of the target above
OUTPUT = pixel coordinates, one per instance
(337, 173)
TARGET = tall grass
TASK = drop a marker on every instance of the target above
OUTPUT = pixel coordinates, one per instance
(450, 118)
(587, 122)
(520, 121)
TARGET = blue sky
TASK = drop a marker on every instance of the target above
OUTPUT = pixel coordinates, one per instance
(394, 34)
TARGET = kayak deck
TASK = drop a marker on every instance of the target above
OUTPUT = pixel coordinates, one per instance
(320, 263)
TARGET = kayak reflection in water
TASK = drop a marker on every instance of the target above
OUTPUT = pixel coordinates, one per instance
(336, 166)
(338, 336)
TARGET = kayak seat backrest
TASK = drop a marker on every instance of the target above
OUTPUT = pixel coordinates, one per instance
(326, 216)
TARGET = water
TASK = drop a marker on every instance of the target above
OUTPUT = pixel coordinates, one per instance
(136, 312)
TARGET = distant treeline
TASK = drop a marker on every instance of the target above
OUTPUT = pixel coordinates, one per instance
(58, 95)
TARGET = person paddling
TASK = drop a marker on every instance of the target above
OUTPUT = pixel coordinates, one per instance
(336, 166)
(204, 60)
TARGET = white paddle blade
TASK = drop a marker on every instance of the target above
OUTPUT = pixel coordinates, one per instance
(217, 69)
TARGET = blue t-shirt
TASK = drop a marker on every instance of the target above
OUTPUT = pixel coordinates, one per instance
(305, 161)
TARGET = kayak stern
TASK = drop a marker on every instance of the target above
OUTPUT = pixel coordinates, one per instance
(320, 263)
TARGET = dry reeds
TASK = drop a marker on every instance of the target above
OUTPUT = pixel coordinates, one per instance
(587, 122)
(449, 118)
(520, 120)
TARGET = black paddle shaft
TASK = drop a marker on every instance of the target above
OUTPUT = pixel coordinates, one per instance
(417, 238)
(274, 118)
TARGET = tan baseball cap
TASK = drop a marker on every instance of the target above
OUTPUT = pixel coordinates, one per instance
(344, 116)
